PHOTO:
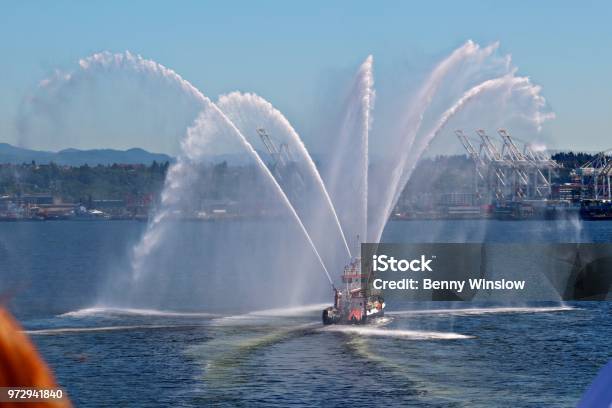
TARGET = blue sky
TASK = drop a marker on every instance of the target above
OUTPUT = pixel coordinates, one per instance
(288, 51)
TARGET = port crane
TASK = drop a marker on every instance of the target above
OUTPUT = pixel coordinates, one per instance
(480, 163)
(596, 176)
(508, 172)
(283, 163)
(280, 155)
(530, 166)
(496, 163)
(474, 155)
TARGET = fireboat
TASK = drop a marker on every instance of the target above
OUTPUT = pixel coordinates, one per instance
(356, 302)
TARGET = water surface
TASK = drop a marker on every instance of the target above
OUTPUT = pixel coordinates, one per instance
(528, 355)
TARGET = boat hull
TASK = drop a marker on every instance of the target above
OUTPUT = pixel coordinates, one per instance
(354, 302)
(331, 315)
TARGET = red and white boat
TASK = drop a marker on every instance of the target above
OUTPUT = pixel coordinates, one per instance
(356, 302)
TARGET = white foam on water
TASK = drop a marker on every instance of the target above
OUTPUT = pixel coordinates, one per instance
(75, 330)
(407, 334)
(381, 321)
(291, 311)
(102, 311)
(481, 311)
(270, 315)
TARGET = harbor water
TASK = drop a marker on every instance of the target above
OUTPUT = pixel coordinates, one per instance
(421, 355)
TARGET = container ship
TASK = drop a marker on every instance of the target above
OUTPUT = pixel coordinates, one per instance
(355, 302)
(594, 210)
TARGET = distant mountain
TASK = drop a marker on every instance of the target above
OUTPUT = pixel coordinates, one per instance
(75, 157)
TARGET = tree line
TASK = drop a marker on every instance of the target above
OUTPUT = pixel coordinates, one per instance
(218, 181)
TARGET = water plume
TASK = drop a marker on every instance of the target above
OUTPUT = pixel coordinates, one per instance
(355, 200)
(512, 85)
(202, 138)
(248, 112)
(520, 88)
(211, 123)
(347, 173)
(114, 311)
(410, 125)
(122, 86)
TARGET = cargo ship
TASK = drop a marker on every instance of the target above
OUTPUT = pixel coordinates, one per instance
(595, 210)
(355, 302)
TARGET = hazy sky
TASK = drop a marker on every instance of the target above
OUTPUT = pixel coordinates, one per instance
(289, 52)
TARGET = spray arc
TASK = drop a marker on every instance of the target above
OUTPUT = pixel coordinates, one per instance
(356, 200)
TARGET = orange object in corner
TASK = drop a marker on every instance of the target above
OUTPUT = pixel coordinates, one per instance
(22, 366)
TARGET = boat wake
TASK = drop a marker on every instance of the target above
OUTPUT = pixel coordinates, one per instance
(481, 311)
(230, 352)
(407, 334)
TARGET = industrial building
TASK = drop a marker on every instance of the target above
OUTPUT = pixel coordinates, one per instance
(518, 182)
